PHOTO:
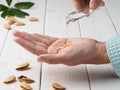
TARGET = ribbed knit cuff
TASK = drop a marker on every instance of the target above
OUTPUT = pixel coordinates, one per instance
(113, 51)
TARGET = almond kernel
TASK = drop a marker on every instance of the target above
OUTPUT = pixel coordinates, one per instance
(7, 26)
(19, 24)
(9, 79)
(25, 79)
(9, 18)
(58, 86)
(11, 22)
(33, 19)
(22, 66)
(25, 86)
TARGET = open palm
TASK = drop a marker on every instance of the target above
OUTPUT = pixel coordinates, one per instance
(54, 50)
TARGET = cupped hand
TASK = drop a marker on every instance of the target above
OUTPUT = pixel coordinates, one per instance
(70, 52)
(85, 5)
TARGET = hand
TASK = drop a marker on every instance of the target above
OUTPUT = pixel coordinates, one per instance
(70, 52)
(85, 5)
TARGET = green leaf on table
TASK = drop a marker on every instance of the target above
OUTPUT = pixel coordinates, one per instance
(18, 13)
(6, 13)
(3, 14)
(24, 5)
(9, 2)
(16, 9)
(3, 7)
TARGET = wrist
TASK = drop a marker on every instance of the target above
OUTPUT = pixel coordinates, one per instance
(101, 47)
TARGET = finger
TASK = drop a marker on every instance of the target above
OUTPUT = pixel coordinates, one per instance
(51, 58)
(79, 5)
(24, 35)
(16, 33)
(40, 50)
(102, 3)
(86, 10)
(29, 37)
(94, 4)
(41, 44)
(25, 44)
(40, 38)
(45, 39)
(32, 47)
(87, 2)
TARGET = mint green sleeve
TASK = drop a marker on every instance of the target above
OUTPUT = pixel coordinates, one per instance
(113, 51)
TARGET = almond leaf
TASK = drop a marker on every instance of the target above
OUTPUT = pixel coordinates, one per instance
(24, 5)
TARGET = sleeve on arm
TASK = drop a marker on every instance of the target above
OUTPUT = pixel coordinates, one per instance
(113, 51)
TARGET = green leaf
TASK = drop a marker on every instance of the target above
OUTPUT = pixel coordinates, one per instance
(18, 13)
(3, 7)
(6, 13)
(9, 2)
(3, 14)
(24, 5)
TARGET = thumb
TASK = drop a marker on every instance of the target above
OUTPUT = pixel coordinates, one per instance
(94, 4)
(51, 58)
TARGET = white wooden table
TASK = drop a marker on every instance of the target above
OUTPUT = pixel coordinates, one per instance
(102, 25)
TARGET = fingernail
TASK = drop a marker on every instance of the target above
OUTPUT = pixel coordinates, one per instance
(86, 11)
(40, 59)
(94, 5)
(102, 3)
(16, 32)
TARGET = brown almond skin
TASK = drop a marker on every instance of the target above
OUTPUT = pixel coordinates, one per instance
(19, 24)
(11, 22)
(25, 79)
(7, 26)
(10, 79)
(22, 66)
(33, 19)
(25, 86)
(57, 86)
(10, 18)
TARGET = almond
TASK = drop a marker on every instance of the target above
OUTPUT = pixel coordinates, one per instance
(25, 79)
(11, 22)
(57, 86)
(33, 19)
(19, 23)
(22, 66)
(9, 18)
(9, 79)
(7, 26)
(25, 86)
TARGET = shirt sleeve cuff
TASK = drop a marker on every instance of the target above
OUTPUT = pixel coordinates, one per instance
(113, 51)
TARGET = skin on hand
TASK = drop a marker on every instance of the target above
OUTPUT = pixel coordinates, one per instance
(85, 5)
(73, 51)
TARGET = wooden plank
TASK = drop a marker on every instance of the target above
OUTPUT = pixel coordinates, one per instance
(113, 10)
(56, 17)
(3, 32)
(99, 26)
(73, 78)
(103, 77)
(13, 54)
